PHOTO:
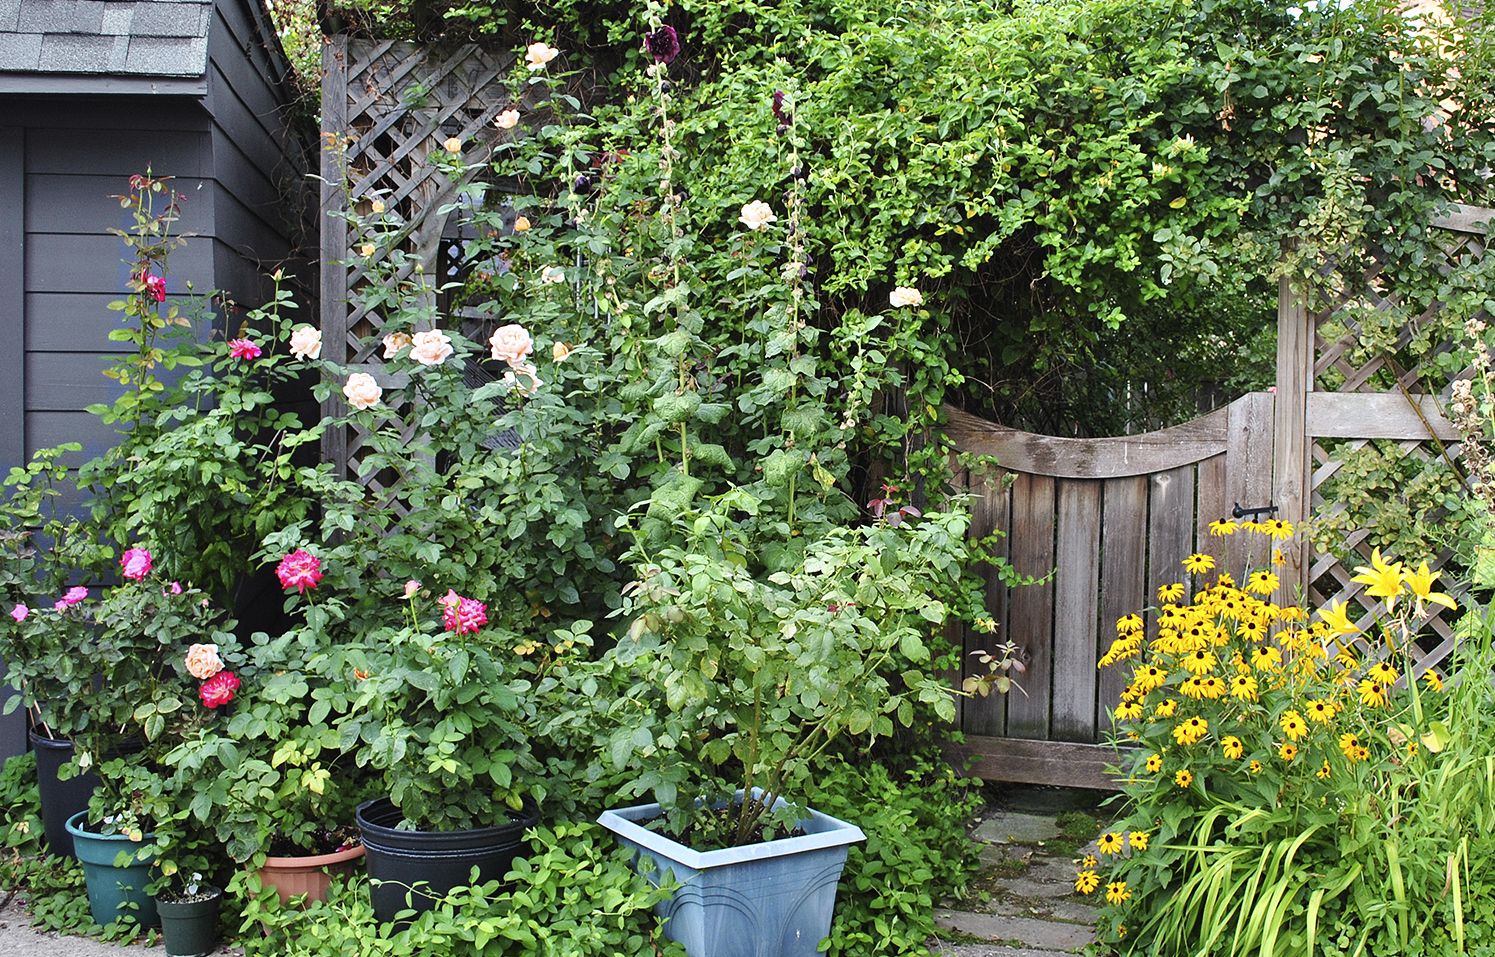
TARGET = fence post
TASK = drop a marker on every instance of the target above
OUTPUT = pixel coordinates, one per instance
(334, 231)
(1290, 425)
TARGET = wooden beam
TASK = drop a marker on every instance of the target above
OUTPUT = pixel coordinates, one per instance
(1063, 764)
(1090, 458)
(1466, 219)
(1367, 415)
(1290, 481)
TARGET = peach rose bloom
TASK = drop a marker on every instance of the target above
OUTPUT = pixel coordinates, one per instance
(522, 224)
(906, 296)
(453, 145)
(203, 661)
(361, 391)
(511, 343)
(430, 348)
(507, 120)
(552, 275)
(756, 215)
(523, 378)
(306, 342)
(394, 342)
(539, 53)
(559, 351)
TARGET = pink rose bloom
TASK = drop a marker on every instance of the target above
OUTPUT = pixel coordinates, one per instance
(136, 563)
(20, 612)
(430, 348)
(59, 605)
(244, 349)
(176, 588)
(511, 343)
(411, 587)
(462, 616)
(299, 570)
(75, 595)
(524, 378)
(361, 391)
(219, 689)
(203, 661)
(155, 286)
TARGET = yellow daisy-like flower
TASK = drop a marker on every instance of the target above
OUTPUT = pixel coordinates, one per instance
(1293, 725)
(1191, 730)
(1291, 613)
(1154, 763)
(1110, 843)
(1127, 624)
(1382, 673)
(1088, 862)
(1252, 630)
(1362, 753)
(1372, 694)
(1287, 752)
(1199, 662)
(1432, 680)
(1128, 712)
(1350, 745)
(1262, 583)
(1223, 527)
(1276, 528)
(1211, 688)
(1138, 840)
(1198, 564)
(1345, 658)
(1233, 748)
(1086, 882)
(1321, 711)
(1254, 767)
(1323, 773)
(1166, 709)
(1116, 892)
(1148, 678)
(1243, 687)
(1266, 659)
(1192, 687)
(1278, 558)
(1169, 593)
(1183, 778)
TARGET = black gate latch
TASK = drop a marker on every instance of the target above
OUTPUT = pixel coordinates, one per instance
(1239, 512)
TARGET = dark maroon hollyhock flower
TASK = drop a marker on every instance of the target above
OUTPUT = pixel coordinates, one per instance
(779, 113)
(663, 44)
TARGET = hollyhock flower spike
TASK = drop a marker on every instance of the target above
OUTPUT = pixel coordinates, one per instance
(300, 570)
(663, 44)
(20, 612)
(203, 661)
(136, 563)
(462, 616)
(779, 112)
(244, 349)
(219, 690)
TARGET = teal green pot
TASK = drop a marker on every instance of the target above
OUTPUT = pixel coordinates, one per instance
(114, 893)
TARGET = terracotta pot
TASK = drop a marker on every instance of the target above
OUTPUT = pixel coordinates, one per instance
(294, 876)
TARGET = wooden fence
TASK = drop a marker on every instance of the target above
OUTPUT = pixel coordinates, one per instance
(1107, 521)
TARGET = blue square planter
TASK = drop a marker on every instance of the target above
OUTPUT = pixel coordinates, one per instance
(773, 899)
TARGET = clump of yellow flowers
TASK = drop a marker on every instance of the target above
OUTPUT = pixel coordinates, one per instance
(1236, 696)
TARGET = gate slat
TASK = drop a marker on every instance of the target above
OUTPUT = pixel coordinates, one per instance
(1213, 504)
(1123, 581)
(991, 511)
(1248, 468)
(1170, 527)
(1076, 608)
(1031, 609)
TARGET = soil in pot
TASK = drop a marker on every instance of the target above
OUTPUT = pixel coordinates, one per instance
(189, 923)
(436, 860)
(292, 871)
(114, 892)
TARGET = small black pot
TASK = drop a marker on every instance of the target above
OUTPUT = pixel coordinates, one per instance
(60, 799)
(440, 860)
(190, 928)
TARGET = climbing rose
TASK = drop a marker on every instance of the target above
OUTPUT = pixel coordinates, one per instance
(299, 570)
(511, 343)
(136, 563)
(219, 689)
(306, 342)
(560, 351)
(203, 661)
(394, 342)
(905, 296)
(524, 378)
(361, 391)
(411, 587)
(59, 605)
(243, 349)
(75, 595)
(756, 215)
(552, 275)
(155, 286)
(430, 348)
(462, 616)
(507, 120)
(539, 53)
(20, 612)
(453, 145)
(663, 44)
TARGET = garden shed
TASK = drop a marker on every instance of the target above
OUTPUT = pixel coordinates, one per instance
(90, 93)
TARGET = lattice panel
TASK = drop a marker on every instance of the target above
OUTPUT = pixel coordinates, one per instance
(1371, 340)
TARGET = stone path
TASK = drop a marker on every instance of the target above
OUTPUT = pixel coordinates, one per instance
(1023, 904)
(19, 939)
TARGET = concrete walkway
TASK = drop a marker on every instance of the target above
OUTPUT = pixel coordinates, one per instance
(1024, 904)
(19, 939)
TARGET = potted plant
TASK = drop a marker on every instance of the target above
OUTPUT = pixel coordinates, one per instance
(751, 678)
(189, 918)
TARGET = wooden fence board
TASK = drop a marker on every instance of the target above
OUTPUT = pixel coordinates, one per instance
(1170, 527)
(1031, 609)
(991, 512)
(1248, 472)
(1214, 504)
(1123, 580)
(1076, 609)
(1061, 763)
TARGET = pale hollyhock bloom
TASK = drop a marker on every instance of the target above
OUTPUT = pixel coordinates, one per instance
(507, 120)
(306, 342)
(361, 391)
(394, 342)
(539, 53)
(203, 661)
(523, 378)
(430, 348)
(756, 215)
(906, 296)
(511, 343)
(552, 275)
(452, 145)
(560, 351)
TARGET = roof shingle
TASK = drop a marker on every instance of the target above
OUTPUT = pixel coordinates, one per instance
(166, 38)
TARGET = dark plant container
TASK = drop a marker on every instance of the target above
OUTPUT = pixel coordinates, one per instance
(60, 799)
(190, 928)
(114, 891)
(437, 860)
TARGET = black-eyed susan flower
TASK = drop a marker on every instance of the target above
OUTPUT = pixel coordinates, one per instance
(1199, 662)
(1320, 710)
(1198, 564)
(1232, 746)
(1349, 744)
(1129, 711)
(1276, 528)
(1432, 680)
(1127, 624)
(1287, 752)
(1362, 753)
(1190, 730)
(1148, 678)
(1088, 862)
(1166, 709)
(1293, 725)
(1323, 773)
(1116, 892)
(1110, 842)
(1371, 694)
(1382, 673)
(1266, 659)
(1211, 688)
(1154, 763)
(1278, 558)
(1192, 687)
(1223, 527)
(1243, 687)
(1254, 767)
(1183, 778)
(1170, 593)
(1262, 582)
(1137, 840)
(1086, 882)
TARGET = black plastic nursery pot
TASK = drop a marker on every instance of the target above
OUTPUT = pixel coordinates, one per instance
(190, 928)
(62, 799)
(398, 860)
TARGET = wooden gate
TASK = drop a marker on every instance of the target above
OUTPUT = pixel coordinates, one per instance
(1105, 522)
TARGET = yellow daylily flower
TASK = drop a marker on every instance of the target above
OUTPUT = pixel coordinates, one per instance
(1420, 583)
(1383, 578)
(1337, 617)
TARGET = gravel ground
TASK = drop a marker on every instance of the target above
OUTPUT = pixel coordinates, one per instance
(19, 939)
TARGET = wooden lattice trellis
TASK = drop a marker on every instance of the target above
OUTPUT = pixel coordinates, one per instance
(387, 106)
(1365, 389)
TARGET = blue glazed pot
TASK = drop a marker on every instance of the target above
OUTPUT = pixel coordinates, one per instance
(112, 889)
(773, 899)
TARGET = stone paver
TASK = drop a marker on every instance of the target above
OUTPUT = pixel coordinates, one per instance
(1030, 931)
(990, 950)
(1011, 827)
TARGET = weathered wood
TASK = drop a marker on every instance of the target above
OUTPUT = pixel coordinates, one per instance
(1090, 458)
(1214, 503)
(1290, 452)
(13, 299)
(991, 513)
(1371, 415)
(1031, 611)
(1466, 219)
(1248, 472)
(334, 232)
(1076, 609)
(1170, 527)
(1123, 582)
(1058, 763)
